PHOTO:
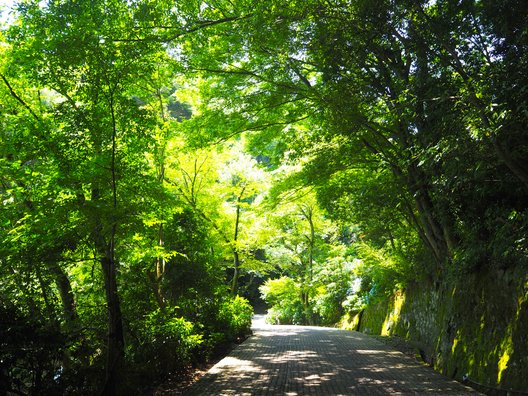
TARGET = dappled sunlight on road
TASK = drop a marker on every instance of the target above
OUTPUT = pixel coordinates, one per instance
(234, 364)
(304, 360)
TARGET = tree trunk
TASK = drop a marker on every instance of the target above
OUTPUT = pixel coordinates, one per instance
(115, 341)
(65, 293)
(115, 338)
(49, 306)
(433, 228)
(236, 256)
(160, 270)
(236, 272)
(160, 260)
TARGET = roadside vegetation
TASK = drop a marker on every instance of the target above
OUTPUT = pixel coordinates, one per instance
(166, 166)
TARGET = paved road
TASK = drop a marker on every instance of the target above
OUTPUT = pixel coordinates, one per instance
(301, 360)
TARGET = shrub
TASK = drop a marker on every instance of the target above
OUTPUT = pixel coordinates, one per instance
(284, 297)
(382, 271)
(167, 343)
(287, 314)
(354, 303)
(235, 315)
(328, 304)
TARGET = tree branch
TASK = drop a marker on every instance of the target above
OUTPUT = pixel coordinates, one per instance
(18, 98)
(200, 25)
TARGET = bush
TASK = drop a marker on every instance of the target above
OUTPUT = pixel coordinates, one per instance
(354, 303)
(287, 314)
(382, 271)
(284, 297)
(167, 343)
(235, 317)
(328, 304)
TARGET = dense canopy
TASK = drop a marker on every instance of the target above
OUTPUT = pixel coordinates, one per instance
(165, 165)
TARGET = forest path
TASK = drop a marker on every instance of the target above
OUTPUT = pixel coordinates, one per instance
(303, 360)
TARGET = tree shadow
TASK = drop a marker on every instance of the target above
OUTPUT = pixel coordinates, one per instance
(301, 360)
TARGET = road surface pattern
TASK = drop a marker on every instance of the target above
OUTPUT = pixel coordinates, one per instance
(302, 360)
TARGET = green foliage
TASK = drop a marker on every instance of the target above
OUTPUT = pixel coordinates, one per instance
(328, 304)
(325, 301)
(235, 316)
(165, 342)
(381, 270)
(354, 303)
(284, 297)
(404, 123)
(335, 281)
(306, 247)
(190, 274)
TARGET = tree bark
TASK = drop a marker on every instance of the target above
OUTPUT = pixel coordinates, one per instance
(65, 292)
(106, 248)
(160, 270)
(160, 260)
(236, 274)
(49, 306)
(115, 342)
(236, 256)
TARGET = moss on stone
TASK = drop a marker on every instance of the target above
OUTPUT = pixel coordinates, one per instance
(476, 325)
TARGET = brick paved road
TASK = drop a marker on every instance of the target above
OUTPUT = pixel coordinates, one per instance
(299, 360)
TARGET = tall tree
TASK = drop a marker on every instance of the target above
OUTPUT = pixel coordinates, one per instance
(398, 86)
(95, 127)
(223, 188)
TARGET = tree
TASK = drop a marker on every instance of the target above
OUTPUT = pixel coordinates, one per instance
(94, 127)
(402, 121)
(223, 188)
(300, 245)
(395, 91)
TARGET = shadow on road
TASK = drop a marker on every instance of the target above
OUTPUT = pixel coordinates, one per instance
(303, 360)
